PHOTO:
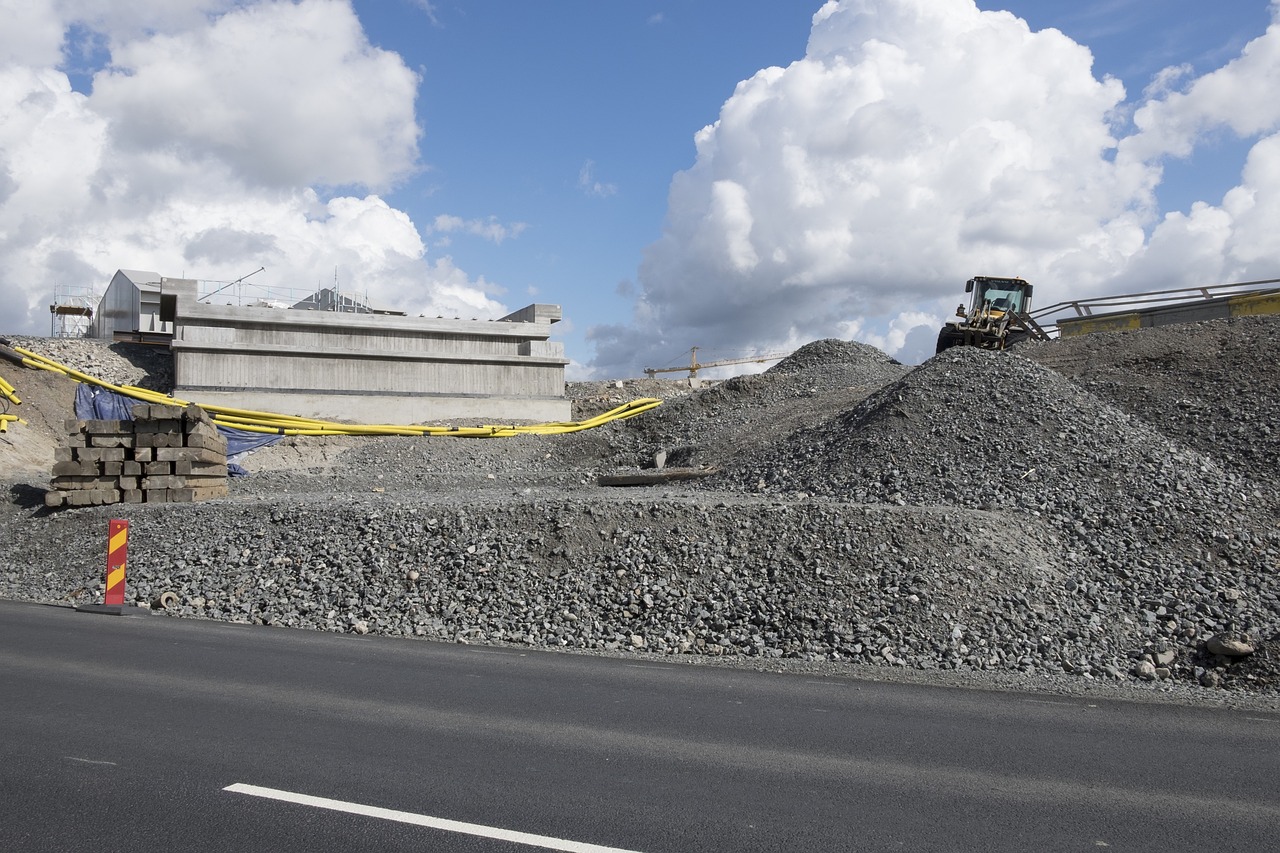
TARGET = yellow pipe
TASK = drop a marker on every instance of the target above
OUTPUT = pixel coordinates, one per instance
(10, 393)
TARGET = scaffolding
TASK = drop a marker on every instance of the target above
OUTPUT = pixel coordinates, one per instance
(71, 314)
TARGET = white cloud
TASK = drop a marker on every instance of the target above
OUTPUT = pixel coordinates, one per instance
(918, 143)
(1232, 238)
(205, 149)
(912, 335)
(32, 33)
(489, 229)
(284, 94)
(589, 184)
(1240, 96)
(429, 9)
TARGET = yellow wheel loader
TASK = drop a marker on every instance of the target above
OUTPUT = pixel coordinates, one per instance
(997, 316)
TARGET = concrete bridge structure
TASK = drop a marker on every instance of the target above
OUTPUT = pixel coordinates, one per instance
(366, 368)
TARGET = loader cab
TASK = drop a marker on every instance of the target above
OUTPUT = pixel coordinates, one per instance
(1002, 294)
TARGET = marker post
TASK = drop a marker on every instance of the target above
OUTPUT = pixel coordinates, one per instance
(117, 561)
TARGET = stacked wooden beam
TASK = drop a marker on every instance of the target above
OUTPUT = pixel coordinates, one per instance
(166, 454)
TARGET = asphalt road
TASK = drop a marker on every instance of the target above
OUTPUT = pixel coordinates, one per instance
(126, 734)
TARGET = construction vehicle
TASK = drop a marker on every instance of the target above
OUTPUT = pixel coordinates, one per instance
(997, 317)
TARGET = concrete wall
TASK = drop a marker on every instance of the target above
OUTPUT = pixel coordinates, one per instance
(367, 368)
(1238, 305)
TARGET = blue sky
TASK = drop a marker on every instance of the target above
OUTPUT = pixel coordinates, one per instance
(519, 98)
(527, 107)
(467, 157)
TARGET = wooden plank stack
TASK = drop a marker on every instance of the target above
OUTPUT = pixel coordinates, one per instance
(166, 454)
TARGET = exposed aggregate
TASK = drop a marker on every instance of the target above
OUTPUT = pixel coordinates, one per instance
(981, 514)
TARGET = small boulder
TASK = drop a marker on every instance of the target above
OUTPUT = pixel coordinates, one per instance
(1145, 670)
(1226, 646)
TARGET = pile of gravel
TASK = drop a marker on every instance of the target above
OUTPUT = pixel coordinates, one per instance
(141, 365)
(715, 425)
(1209, 385)
(860, 363)
(978, 514)
(1158, 546)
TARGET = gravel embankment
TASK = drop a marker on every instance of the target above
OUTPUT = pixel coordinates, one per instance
(980, 519)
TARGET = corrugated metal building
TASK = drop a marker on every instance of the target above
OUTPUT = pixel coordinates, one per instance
(130, 305)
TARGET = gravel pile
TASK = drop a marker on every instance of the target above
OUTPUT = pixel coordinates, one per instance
(1211, 385)
(715, 425)
(141, 365)
(666, 575)
(981, 516)
(1158, 546)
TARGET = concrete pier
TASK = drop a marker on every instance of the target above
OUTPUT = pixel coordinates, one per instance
(366, 368)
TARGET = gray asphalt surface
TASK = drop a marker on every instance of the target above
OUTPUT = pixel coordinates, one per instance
(122, 734)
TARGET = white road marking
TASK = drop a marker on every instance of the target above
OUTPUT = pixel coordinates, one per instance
(1262, 719)
(89, 760)
(525, 838)
(1048, 702)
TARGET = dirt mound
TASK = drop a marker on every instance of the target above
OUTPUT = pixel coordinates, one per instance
(1210, 385)
(1159, 542)
(979, 512)
(594, 398)
(863, 363)
(142, 365)
(977, 428)
(995, 430)
(719, 424)
(48, 400)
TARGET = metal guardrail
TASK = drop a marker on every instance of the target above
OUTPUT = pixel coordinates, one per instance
(1149, 299)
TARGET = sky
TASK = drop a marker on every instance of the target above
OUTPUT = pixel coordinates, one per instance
(741, 176)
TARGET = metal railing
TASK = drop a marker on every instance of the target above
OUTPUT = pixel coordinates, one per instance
(1149, 299)
(244, 293)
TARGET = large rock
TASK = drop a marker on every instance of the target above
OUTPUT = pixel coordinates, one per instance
(1221, 644)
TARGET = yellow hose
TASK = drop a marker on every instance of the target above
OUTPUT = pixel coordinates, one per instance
(277, 424)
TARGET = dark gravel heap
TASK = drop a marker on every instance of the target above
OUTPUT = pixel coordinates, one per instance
(978, 514)
(1158, 545)
(843, 362)
(1211, 386)
(142, 365)
(666, 575)
(717, 424)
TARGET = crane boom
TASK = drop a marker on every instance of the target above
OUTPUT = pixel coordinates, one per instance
(694, 365)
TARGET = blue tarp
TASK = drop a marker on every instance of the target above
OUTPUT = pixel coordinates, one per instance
(99, 404)
(94, 403)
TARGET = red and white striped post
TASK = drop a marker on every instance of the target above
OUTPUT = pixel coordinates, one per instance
(117, 560)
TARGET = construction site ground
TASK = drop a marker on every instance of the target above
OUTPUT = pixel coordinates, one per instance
(1088, 515)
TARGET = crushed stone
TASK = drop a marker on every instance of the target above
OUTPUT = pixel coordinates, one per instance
(1078, 515)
